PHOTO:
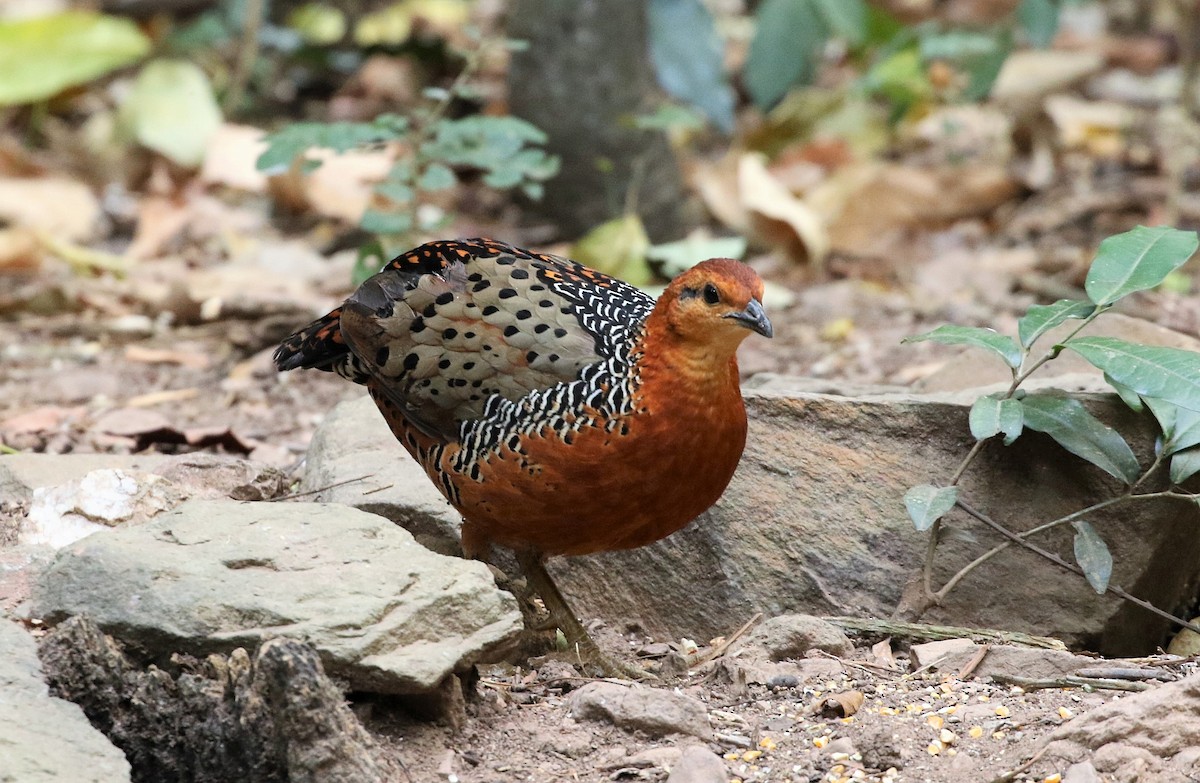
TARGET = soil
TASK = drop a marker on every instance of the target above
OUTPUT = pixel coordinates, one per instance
(67, 372)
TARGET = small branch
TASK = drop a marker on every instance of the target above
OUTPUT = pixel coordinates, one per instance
(1070, 681)
(1053, 558)
(319, 490)
(719, 649)
(988, 555)
(247, 54)
(870, 626)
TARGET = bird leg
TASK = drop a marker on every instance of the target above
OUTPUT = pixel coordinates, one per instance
(564, 618)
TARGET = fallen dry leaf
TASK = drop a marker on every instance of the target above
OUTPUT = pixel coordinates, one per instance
(866, 205)
(232, 156)
(61, 207)
(19, 250)
(160, 219)
(38, 420)
(776, 216)
(841, 705)
(131, 423)
(190, 359)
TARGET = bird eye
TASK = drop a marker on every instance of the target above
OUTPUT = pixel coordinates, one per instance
(711, 294)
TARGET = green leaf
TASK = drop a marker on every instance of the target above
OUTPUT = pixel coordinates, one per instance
(669, 117)
(1170, 374)
(285, 145)
(689, 58)
(676, 257)
(788, 37)
(1127, 395)
(846, 19)
(171, 110)
(1082, 434)
(1093, 556)
(370, 259)
(396, 192)
(993, 415)
(42, 56)
(1042, 318)
(617, 248)
(1184, 465)
(1137, 260)
(437, 177)
(980, 55)
(927, 504)
(386, 222)
(949, 334)
(1180, 426)
(1039, 20)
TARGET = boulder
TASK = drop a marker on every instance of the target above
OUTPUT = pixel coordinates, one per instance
(1152, 735)
(814, 522)
(273, 716)
(382, 611)
(44, 739)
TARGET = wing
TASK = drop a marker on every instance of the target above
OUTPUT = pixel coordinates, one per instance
(449, 325)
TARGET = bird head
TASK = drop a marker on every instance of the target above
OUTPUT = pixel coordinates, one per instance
(716, 303)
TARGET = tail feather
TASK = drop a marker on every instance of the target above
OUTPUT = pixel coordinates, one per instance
(317, 346)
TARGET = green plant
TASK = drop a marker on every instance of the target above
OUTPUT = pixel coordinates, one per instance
(791, 35)
(440, 149)
(1166, 381)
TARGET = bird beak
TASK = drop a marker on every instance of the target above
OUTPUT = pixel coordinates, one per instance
(754, 318)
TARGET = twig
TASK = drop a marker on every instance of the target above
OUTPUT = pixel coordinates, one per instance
(1124, 673)
(1011, 775)
(319, 490)
(719, 649)
(1053, 558)
(1069, 681)
(253, 12)
(869, 668)
(878, 627)
(969, 668)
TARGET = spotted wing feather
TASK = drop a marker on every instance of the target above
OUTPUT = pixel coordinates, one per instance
(487, 321)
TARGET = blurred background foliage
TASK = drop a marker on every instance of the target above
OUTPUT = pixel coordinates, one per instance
(624, 127)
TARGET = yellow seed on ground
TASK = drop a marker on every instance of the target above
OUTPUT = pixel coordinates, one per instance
(936, 721)
(975, 732)
(934, 748)
(766, 743)
(820, 742)
(1055, 778)
(999, 735)
(732, 756)
(947, 737)
(751, 755)
(1002, 711)
(1065, 714)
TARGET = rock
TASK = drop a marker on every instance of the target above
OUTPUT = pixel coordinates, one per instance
(698, 765)
(273, 717)
(354, 440)
(1007, 660)
(1150, 735)
(1083, 772)
(813, 522)
(102, 499)
(196, 475)
(44, 739)
(653, 711)
(210, 576)
(793, 635)
(929, 653)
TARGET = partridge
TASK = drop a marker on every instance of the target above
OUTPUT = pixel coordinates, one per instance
(559, 410)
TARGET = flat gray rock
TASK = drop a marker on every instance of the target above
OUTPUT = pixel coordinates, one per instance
(653, 711)
(44, 739)
(354, 442)
(384, 613)
(814, 522)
